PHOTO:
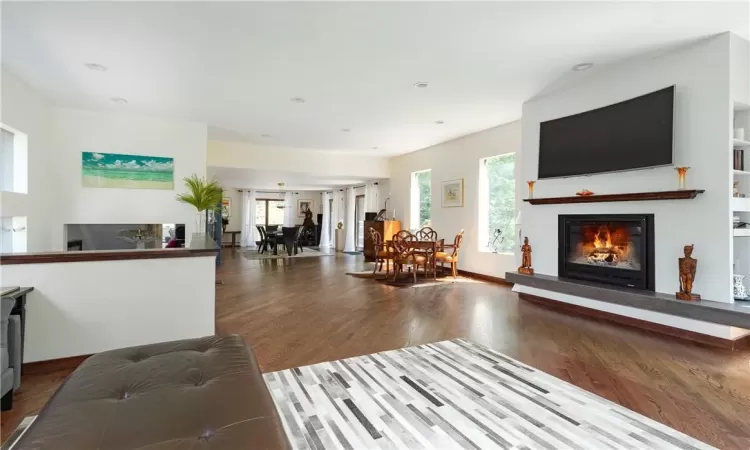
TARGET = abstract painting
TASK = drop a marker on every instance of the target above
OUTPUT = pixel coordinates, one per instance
(453, 193)
(114, 170)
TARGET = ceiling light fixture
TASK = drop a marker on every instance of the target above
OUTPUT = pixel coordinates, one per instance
(421, 84)
(281, 204)
(439, 122)
(95, 66)
(346, 130)
(583, 66)
(265, 135)
(297, 99)
(375, 148)
(118, 100)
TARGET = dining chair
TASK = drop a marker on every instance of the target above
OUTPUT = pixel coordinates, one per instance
(451, 258)
(426, 234)
(288, 234)
(403, 254)
(262, 242)
(297, 239)
(383, 252)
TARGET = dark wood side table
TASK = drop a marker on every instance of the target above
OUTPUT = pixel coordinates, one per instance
(19, 296)
(234, 236)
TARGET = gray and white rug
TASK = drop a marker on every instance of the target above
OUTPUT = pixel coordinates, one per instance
(307, 252)
(450, 395)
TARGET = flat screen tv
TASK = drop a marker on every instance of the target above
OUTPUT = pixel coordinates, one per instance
(633, 134)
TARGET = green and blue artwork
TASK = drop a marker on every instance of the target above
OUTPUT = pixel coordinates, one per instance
(114, 170)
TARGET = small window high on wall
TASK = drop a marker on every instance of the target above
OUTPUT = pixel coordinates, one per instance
(497, 203)
(421, 198)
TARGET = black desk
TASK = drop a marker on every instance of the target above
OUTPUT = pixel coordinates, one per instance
(20, 309)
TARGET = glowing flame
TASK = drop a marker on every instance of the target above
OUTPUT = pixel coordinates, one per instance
(603, 239)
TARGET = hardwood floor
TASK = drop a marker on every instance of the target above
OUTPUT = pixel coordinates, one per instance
(303, 311)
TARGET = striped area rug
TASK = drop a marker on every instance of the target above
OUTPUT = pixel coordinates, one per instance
(451, 395)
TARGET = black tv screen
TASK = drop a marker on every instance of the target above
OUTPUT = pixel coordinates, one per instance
(633, 134)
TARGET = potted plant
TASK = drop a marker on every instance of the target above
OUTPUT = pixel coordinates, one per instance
(204, 195)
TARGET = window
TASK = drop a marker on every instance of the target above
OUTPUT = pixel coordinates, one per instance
(13, 160)
(421, 198)
(497, 203)
(359, 216)
(267, 212)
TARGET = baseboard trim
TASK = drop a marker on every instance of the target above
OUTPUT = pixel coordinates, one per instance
(483, 277)
(51, 365)
(705, 339)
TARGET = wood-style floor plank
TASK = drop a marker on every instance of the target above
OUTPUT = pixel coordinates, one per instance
(306, 310)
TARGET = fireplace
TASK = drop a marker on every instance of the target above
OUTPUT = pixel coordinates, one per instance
(616, 249)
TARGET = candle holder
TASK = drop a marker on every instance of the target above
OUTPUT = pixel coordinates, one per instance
(681, 173)
(531, 188)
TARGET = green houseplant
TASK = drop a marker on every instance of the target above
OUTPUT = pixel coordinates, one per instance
(204, 195)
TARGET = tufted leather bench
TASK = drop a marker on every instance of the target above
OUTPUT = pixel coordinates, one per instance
(205, 393)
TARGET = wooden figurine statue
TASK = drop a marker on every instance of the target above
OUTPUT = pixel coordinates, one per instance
(687, 265)
(526, 258)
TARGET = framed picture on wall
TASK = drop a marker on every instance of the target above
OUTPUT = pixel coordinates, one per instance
(302, 206)
(226, 207)
(453, 193)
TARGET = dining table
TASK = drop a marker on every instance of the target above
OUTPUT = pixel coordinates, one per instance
(430, 247)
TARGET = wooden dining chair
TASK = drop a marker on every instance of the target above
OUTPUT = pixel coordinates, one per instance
(404, 254)
(383, 252)
(426, 234)
(452, 257)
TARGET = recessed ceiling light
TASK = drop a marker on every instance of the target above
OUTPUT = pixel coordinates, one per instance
(346, 130)
(375, 148)
(119, 100)
(265, 135)
(421, 84)
(583, 66)
(96, 67)
(297, 99)
(439, 122)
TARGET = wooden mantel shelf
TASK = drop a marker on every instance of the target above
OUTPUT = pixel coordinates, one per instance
(633, 197)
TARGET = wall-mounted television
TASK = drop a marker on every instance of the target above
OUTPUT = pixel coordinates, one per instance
(633, 134)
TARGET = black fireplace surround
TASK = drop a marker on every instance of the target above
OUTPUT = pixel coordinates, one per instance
(616, 249)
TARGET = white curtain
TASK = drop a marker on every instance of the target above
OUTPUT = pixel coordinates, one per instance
(335, 213)
(325, 226)
(289, 209)
(372, 202)
(349, 224)
(248, 232)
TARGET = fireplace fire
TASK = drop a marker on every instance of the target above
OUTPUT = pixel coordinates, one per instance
(612, 249)
(607, 245)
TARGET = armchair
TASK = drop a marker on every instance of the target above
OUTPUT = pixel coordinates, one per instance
(10, 354)
(451, 258)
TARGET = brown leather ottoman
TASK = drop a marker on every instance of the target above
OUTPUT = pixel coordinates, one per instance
(204, 393)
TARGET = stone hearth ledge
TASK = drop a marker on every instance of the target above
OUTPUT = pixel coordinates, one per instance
(733, 314)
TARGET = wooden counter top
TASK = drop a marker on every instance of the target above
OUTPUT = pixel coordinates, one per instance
(200, 245)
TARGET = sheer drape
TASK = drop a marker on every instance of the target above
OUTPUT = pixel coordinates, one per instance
(335, 214)
(248, 232)
(349, 225)
(325, 226)
(372, 202)
(289, 209)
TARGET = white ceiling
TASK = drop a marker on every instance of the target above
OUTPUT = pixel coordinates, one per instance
(268, 180)
(235, 66)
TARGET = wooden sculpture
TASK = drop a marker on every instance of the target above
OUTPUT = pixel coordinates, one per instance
(526, 258)
(687, 266)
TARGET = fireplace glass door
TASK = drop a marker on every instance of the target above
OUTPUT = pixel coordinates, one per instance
(612, 249)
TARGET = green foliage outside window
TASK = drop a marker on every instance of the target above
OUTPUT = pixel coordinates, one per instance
(502, 197)
(424, 181)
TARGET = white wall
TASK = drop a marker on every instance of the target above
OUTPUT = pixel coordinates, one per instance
(701, 140)
(79, 308)
(76, 131)
(235, 220)
(23, 109)
(448, 161)
(321, 163)
(740, 68)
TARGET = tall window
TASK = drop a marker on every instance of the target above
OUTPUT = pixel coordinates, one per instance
(421, 198)
(497, 203)
(268, 213)
(13, 160)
